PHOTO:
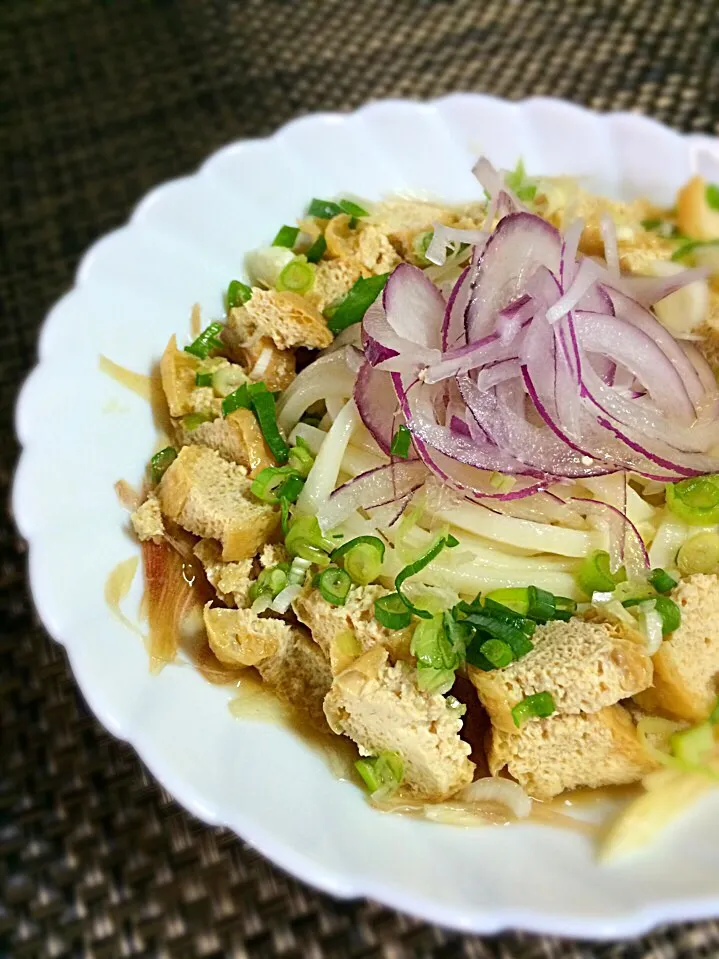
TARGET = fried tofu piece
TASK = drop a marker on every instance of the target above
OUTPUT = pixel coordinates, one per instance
(380, 707)
(585, 667)
(288, 319)
(401, 221)
(236, 437)
(177, 373)
(549, 756)
(686, 666)
(264, 361)
(333, 281)
(147, 520)
(695, 217)
(231, 581)
(209, 496)
(203, 399)
(286, 658)
(346, 632)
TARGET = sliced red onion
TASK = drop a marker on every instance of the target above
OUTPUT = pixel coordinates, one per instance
(626, 546)
(584, 278)
(493, 182)
(376, 487)
(647, 290)
(445, 235)
(453, 322)
(377, 404)
(414, 307)
(520, 243)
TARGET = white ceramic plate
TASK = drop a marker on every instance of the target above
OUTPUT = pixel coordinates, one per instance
(81, 431)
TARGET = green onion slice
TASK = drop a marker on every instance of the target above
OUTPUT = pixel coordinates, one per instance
(272, 580)
(662, 581)
(238, 399)
(317, 250)
(334, 584)
(538, 706)
(352, 209)
(496, 628)
(297, 277)
(237, 294)
(363, 557)
(400, 442)
(160, 462)
(424, 560)
(324, 209)
(301, 458)
(355, 304)
(686, 249)
(712, 196)
(203, 379)
(286, 236)
(391, 612)
(305, 540)
(382, 774)
(263, 405)
(497, 652)
(193, 420)
(270, 482)
(435, 680)
(595, 576)
(695, 500)
(700, 554)
(207, 341)
(714, 715)
(670, 613)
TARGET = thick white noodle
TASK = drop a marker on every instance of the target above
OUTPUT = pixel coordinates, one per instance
(326, 469)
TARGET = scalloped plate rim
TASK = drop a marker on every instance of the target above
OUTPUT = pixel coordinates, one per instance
(329, 880)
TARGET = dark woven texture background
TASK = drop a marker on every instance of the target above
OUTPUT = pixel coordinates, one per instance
(99, 101)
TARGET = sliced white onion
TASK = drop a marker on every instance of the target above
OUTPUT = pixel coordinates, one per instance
(492, 789)
(265, 264)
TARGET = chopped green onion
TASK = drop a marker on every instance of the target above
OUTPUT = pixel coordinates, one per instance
(502, 483)
(363, 557)
(227, 379)
(301, 458)
(662, 581)
(286, 236)
(541, 605)
(714, 715)
(285, 515)
(311, 420)
(272, 580)
(400, 442)
(391, 612)
(297, 277)
(291, 488)
(268, 482)
(435, 680)
(263, 405)
(352, 209)
(193, 420)
(664, 228)
(700, 554)
(595, 576)
(538, 706)
(203, 379)
(432, 646)
(633, 591)
(712, 196)
(206, 341)
(160, 462)
(305, 540)
(688, 248)
(334, 584)
(239, 399)
(692, 745)
(324, 209)
(565, 607)
(237, 294)
(355, 304)
(670, 613)
(317, 250)
(497, 652)
(275, 483)
(695, 500)
(381, 774)
(509, 633)
(518, 181)
(506, 615)
(515, 598)
(424, 560)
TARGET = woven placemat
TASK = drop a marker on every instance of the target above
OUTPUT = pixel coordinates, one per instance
(99, 101)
